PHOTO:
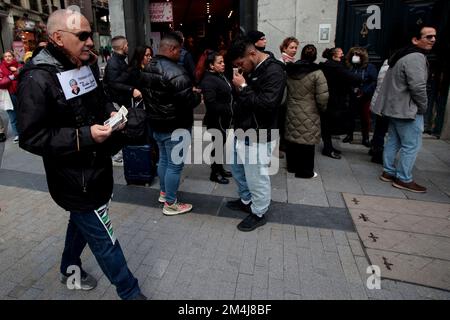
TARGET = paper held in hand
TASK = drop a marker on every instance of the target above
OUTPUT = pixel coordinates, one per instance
(119, 118)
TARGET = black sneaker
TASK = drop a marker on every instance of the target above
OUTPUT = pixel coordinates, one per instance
(251, 223)
(238, 205)
(2, 137)
(140, 296)
(88, 282)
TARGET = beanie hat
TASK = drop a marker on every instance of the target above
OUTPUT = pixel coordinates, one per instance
(255, 35)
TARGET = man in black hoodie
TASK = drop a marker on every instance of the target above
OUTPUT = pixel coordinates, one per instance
(76, 147)
(259, 97)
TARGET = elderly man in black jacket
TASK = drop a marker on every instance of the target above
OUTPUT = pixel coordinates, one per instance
(260, 94)
(170, 99)
(68, 132)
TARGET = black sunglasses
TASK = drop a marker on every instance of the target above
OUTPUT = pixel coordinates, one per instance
(431, 36)
(83, 35)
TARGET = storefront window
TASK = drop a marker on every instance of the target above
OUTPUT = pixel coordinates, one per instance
(34, 5)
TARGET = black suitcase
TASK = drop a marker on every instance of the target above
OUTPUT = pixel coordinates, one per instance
(139, 163)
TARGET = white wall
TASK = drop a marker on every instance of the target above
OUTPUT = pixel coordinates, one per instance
(299, 18)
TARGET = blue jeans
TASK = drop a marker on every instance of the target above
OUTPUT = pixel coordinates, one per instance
(250, 171)
(12, 116)
(86, 228)
(405, 139)
(169, 170)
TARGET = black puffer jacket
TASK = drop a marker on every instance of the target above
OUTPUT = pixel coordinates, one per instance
(117, 80)
(79, 171)
(168, 95)
(259, 103)
(217, 93)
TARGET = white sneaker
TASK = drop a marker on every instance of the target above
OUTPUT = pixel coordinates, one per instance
(315, 175)
(162, 197)
(176, 209)
(16, 140)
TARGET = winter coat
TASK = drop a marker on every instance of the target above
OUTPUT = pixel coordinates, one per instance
(79, 170)
(369, 76)
(340, 81)
(307, 98)
(403, 94)
(258, 104)
(8, 79)
(117, 80)
(217, 94)
(168, 95)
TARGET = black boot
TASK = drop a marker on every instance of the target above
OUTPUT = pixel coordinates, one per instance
(366, 142)
(218, 178)
(348, 139)
(225, 173)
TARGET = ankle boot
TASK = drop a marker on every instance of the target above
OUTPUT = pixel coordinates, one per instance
(348, 139)
(218, 178)
(366, 142)
(225, 173)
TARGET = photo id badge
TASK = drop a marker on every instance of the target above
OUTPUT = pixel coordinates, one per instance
(77, 82)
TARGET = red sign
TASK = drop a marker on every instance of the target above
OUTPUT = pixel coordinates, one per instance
(161, 12)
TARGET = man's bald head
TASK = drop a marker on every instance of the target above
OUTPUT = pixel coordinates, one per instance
(64, 19)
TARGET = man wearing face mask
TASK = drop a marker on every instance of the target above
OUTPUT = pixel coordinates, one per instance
(358, 62)
(68, 132)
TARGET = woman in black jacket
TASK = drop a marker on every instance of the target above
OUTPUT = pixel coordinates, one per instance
(217, 94)
(340, 82)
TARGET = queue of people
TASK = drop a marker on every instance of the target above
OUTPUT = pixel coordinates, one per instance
(68, 130)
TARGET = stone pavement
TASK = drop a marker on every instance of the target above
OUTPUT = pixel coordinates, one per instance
(308, 250)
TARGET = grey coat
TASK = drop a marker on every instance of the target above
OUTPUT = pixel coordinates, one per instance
(404, 91)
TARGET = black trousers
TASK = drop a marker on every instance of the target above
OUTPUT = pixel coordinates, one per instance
(300, 159)
(217, 168)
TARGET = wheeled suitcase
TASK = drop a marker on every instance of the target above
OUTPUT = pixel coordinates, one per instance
(139, 163)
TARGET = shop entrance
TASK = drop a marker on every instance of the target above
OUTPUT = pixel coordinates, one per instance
(204, 23)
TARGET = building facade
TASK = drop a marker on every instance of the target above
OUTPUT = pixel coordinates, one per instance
(379, 25)
(23, 23)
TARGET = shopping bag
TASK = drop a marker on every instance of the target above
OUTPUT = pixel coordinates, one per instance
(5, 100)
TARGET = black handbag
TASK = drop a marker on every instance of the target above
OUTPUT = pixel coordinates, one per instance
(136, 130)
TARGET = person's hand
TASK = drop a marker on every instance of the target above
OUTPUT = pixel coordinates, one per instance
(137, 94)
(238, 80)
(13, 69)
(196, 90)
(100, 133)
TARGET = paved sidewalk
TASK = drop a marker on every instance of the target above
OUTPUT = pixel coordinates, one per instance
(308, 250)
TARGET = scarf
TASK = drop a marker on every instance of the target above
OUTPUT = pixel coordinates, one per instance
(403, 53)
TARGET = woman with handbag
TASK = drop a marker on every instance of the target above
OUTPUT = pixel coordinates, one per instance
(217, 94)
(9, 72)
(340, 81)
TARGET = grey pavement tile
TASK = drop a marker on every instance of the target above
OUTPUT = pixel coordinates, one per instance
(244, 287)
(349, 265)
(259, 293)
(335, 199)
(357, 248)
(275, 290)
(306, 192)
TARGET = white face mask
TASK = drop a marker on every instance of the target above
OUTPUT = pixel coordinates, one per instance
(356, 60)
